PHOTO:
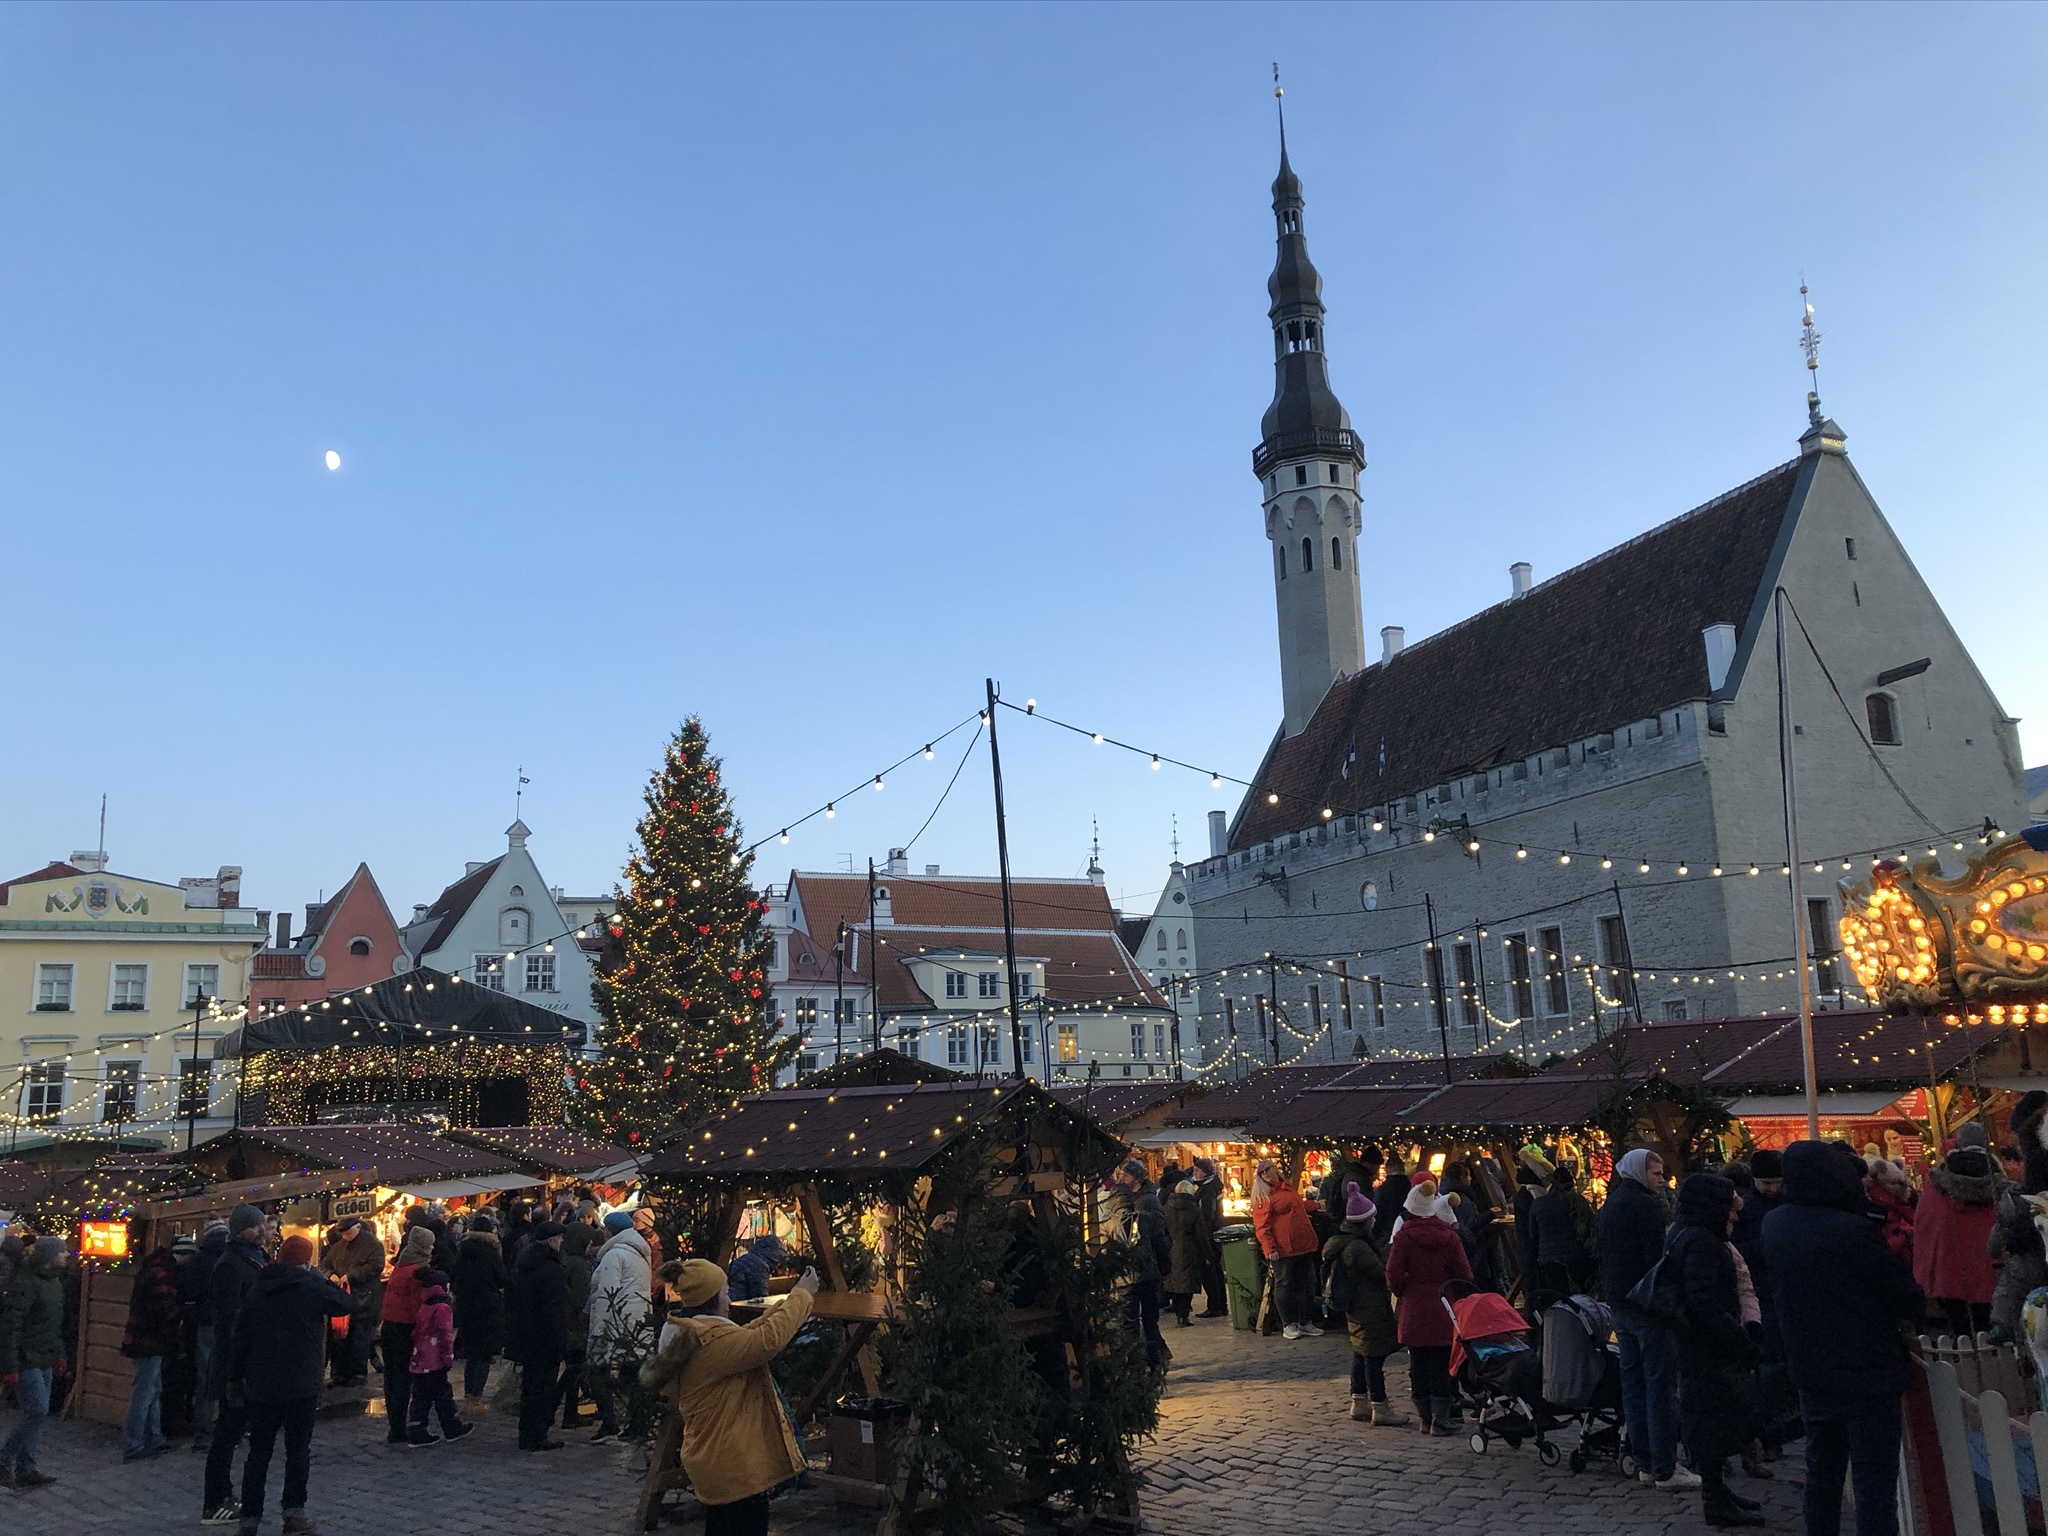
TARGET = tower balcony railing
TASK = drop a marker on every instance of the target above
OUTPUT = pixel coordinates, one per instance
(1338, 442)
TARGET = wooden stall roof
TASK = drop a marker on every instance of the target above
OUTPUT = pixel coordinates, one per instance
(1856, 1049)
(794, 1133)
(548, 1149)
(1266, 1090)
(387, 1153)
(875, 1069)
(1551, 1100)
(1339, 1113)
(1116, 1104)
(22, 1185)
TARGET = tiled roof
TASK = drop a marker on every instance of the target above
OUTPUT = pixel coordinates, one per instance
(848, 1132)
(56, 871)
(1339, 1114)
(1609, 642)
(450, 905)
(1259, 1094)
(809, 960)
(22, 1184)
(1552, 1100)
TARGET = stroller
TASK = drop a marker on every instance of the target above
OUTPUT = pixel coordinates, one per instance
(1523, 1392)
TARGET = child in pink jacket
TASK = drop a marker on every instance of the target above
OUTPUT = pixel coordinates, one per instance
(433, 1352)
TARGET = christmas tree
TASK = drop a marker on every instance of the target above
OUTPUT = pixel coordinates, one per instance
(683, 991)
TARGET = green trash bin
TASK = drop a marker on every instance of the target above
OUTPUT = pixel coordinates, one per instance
(1244, 1274)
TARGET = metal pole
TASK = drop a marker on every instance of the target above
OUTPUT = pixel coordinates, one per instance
(839, 994)
(192, 1117)
(995, 763)
(1479, 958)
(1628, 956)
(1436, 983)
(1273, 1005)
(874, 966)
(1799, 947)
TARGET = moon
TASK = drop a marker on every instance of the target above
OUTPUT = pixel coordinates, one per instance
(333, 459)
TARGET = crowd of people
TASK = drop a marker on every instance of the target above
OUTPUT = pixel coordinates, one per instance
(1752, 1306)
(231, 1333)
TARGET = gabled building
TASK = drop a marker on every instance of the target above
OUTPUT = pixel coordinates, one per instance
(817, 990)
(1164, 946)
(938, 973)
(117, 990)
(1566, 810)
(499, 927)
(350, 940)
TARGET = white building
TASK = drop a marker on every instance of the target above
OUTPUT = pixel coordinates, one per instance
(1165, 948)
(499, 926)
(935, 969)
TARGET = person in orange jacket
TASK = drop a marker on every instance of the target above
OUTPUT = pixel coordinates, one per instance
(1288, 1240)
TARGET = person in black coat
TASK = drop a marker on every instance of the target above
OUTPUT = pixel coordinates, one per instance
(1387, 1201)
(1841, 1296)
(1716, 1358)
(479, 1284)
(241, 1260)
(540, 1332)
(274, 1364)
(1209, 1194)
(1631, 1240)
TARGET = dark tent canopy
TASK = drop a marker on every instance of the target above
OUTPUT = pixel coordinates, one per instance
(419, 1008)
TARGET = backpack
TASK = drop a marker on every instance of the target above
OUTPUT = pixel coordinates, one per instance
(1339, 1290)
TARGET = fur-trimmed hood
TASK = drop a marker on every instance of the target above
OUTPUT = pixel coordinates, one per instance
(678, 1349)
(1967, 1185)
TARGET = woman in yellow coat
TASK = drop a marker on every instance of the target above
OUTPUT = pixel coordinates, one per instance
(737, 1440)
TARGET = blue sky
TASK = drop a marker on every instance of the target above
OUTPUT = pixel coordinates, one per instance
(798, 367)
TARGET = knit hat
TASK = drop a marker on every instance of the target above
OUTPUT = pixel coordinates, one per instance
(1135, 1168)
(1445, 1209)
(242, 1218)
(1356, 1206)
(418, 1246)
(212, 1227)
(618, 1221)
(548, 1229)
(1887, 1173)
(643, 1218)
(184, 1242)
(48, 1249)
(295, 1249)
(1421, 1199)
(480, 1221)
(1766, 1164)
(696, 1282)
(1186, 1187)
(1971, 1134)
(1531, 1157)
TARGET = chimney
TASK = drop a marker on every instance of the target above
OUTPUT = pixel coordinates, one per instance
(1391, 640)
(419, 911)
(473, 866)
(1720, 642)
(883, 909)
(230, 878)
(284, 930)
(1219, 834)
(931, 871)
(1522, 574)
(1095, 875)
(899, 862)
(92, 861)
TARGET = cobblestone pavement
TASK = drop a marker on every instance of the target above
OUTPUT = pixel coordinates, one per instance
(1251, 1429)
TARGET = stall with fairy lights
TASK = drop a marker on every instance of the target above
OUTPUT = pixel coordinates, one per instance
(835, 1165)
(418, 1045)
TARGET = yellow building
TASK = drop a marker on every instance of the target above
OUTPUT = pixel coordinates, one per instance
(99, 977)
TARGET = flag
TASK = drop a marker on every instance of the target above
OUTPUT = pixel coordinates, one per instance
(1383, 757)
(1350, 757)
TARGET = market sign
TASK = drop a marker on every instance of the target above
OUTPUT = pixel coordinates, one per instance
(341, 1207)
(1919, 941)
(103, 1239)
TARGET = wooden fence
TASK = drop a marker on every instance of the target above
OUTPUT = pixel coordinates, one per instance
(1975, 1441)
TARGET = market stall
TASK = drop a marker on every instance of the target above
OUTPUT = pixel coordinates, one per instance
(864, 1165)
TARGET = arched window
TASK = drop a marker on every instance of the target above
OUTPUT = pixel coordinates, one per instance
(1337, 554)
(1180, 938)
(1280, 561)
(515, 925)
(1308, 554)
(359, 947)
(1884, 719)
(1162, 939)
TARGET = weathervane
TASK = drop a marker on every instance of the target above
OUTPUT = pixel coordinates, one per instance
(1280, 106)
(519, 793)
(1809, 343)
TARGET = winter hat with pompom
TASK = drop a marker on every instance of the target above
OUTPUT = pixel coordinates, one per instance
(1356, 1206)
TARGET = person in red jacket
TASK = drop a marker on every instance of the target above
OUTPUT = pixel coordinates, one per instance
(1288, 1239)
(1952, 1232)
(1888, 1191)
(1426, 1253)
(401, 1310)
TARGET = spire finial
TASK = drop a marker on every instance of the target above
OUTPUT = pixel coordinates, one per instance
(1809, 343)
(1280, 106)
(1094, 842)
(1176, 837)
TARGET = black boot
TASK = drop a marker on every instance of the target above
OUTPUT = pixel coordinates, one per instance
(1725, 1515)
